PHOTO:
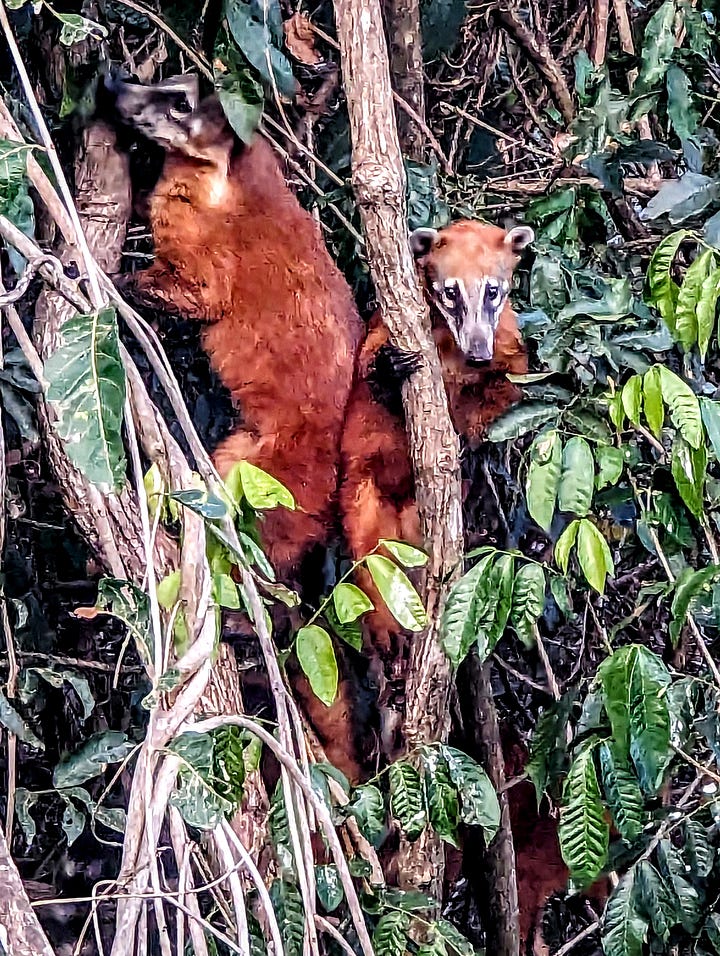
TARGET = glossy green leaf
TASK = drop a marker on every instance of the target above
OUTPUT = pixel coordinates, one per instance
(92, 758)
(57, 677)
(583, 830)
(564, 545)
(405, 554)
(689, 466)
(575, 490)
(495, 609)
(11, 720)
(632, 398)
(397, 592)
(662, 288)
(653, 401)
(683, 405)
(521, 420)
(329, 888)
(350, 602)
(655, 900)
(688, 586)
(391, 934)
(610, 462)
(528, 601)
(686, 323)
(706, 309)
(368, 808)
(441, 795)
(406, 799)
(463, 609)
(622, 792)
(543, 477)
(594, 555)
(478, 801)
(624, 930)
(657, 48)
(710, 410)
(87, 391)
(253, 35)
(261, 490)
(315, 653)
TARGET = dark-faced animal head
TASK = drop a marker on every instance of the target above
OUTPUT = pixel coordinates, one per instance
(467, 270)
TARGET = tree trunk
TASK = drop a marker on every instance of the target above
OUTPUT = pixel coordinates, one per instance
(406, 63)
(379, 182)
(20, 931)
(502, 912)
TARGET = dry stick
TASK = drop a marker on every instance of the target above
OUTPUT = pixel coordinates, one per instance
(379, 184)
(236, 891)
(287, 760)
(89, 262)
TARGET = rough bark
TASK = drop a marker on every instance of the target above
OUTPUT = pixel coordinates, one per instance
(20, 931)
(502, 927)
(379, 184)
(402, 19)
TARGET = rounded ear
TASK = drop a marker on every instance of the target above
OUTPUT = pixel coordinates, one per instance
(519, 237)
(422, 241)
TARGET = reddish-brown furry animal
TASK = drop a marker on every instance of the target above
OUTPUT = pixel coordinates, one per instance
(466, 271)
(235, 250)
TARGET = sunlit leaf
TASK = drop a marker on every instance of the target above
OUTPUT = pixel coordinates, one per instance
(622, 792)
(683, 405)
(316, 655)
(405, 554)
(583, 830)
(688, 466)
(663, 290)
(594, 555)
(544, 477)
(350, 602)
(397, 592)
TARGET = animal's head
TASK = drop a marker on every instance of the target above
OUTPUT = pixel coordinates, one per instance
(467, 269)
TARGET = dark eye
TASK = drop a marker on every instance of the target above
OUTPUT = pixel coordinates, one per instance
(494, 291)
(450, 294)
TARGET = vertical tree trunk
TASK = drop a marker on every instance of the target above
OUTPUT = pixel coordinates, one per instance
(379, 183)
(405, 40)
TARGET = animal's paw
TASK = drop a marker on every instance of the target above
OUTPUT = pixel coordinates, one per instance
(394, 364)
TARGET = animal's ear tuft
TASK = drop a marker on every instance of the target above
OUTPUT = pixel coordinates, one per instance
(519, 237)
(422, 241)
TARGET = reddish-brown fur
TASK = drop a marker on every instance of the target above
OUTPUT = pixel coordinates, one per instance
(377, 501)
(235, 249)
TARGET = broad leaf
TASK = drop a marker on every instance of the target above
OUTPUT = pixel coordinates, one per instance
(13, 722)
(564, 545)
(92, 758)
(368, 808)
(391, 934)
(87, 390)
(688, 466)
(632, 398)
(624, 930)
(662, 288)
(583, 831)
(406, 799)
(329, 888)
(657, 48)
(683, 405)
(405, 554)
(686, 323)
(350, 602)
(710, 410)
(706, 309)
(528, 601)
(261, 490)
(495, 610)
(478, 801)
(594, 555)
(463, 607)
(397, 592)
(653, 401)
(544, 477)
(655, 900)
(576, 486)
(521, 420)
(610, 462)
(316, 655)
(682, 198)
(252, 33)
(622, 792)
(688, 586)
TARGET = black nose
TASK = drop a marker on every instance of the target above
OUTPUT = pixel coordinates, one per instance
(478, 362)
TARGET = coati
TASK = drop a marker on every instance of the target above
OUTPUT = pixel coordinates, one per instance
(466, 271)
(235, 250)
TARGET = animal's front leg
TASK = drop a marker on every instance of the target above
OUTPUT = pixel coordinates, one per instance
(160, 289)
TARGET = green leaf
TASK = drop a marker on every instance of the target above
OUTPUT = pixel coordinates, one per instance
(350, 602)
(24, 800)
(92, 758)
(288, 906)
(710, 411)
(368, 808)
(225, 592)
(634, 682)
(495, 610)
(575, 490)
(391, 934)
(686, 325)
(544, 477)
(75, 28)
(13, 722)
(682, 198)
(707, 308)
(622, 792)
(681, 113)
(329, 888)
(528, 601)
(478, 801)
(243, 107)
(196, 795)
(654, 899)
(441, 795)
(683, 405)
(261, 490)
(689, 466)
(397, 592)
(252, 34)
(202, 503)
(653, 402)
(688, 586)
(657, 48)
(624, 930)
(73, 820)
(662, 288)
(524, 418)
(463, 609)
(594, 555)
(406, 799)
(610, 461)
(673, 868)
(87, 390)
(616, 411)
(316, 655)
(698, 850)
(168, 590)
(564, 545)
(405, 554)
(632, 398)
(543, 745)
(583, 830)
(57, 677)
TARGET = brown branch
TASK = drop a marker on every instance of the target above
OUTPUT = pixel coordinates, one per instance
(541, 56)
(23, 935)
(379, 184)
(402, 18)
